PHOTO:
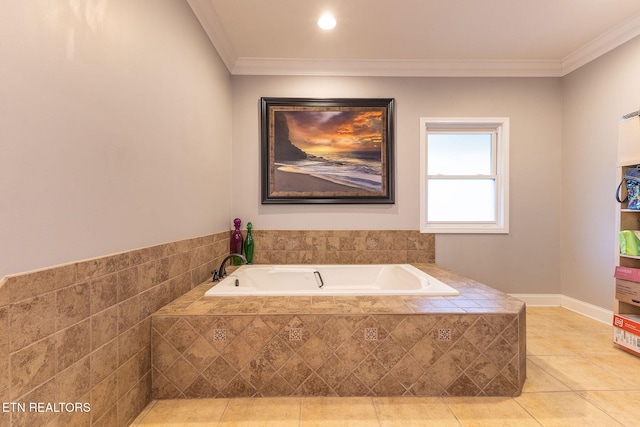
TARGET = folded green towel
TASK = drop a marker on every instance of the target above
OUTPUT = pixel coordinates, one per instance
(629, 242)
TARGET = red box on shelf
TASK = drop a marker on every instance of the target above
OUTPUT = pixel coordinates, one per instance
(626, 332)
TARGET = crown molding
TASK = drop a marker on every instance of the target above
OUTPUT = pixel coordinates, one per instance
(395, 68)
(210, 22)
(602, 44)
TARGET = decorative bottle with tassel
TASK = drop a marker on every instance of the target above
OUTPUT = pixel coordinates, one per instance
(249, 244)
(235, 245)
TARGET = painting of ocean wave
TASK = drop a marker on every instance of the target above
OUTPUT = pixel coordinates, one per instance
(337, 153)
(357, 169)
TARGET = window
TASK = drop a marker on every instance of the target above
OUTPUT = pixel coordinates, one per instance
(464, 175)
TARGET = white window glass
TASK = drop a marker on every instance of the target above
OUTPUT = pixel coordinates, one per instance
(459, 153)
(452, 200)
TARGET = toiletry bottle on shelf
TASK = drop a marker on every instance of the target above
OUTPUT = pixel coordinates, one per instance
(249, 244)
(235, 245)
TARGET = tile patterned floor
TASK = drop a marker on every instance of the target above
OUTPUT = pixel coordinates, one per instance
(575, 377)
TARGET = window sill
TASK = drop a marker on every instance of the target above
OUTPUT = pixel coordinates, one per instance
(463, 230)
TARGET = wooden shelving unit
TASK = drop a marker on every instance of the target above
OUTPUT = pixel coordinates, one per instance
(627, 219)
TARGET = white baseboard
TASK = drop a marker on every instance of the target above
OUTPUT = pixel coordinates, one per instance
(540, 300)
(559, 300)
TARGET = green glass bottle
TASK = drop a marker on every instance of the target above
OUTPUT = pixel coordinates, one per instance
(249, 245)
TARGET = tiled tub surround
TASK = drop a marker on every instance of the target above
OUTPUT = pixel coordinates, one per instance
(80, 332)
(469, 345)
(343, 247)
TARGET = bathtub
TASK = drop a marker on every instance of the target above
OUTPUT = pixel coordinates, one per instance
(329, 280)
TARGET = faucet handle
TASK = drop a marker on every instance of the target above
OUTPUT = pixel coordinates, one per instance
(216, 276)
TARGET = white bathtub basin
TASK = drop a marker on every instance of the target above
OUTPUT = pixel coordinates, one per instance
(317, 280)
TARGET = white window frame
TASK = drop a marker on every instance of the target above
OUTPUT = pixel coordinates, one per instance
(499, 125)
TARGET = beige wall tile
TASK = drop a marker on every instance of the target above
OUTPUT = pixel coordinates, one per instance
(128, 313)
(42, 394)
(127, 284)
(129, 373)
(108, 419)
(34, 283)
(132, 340)
(31, 320)
(104, 396)
(73, 304)
(79, 417)
(73, 343)
(74, 382)
(147, 275)
(104, 327)
(103, 292)
(97, 267)
(104, 361)
(32, 366)
(134, 401)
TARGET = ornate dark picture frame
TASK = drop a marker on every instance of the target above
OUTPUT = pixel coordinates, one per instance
(327, 150)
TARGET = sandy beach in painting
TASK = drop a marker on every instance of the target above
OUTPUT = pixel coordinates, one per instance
(301, 182)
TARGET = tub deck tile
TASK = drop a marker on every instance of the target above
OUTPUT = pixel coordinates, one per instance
(471, 344)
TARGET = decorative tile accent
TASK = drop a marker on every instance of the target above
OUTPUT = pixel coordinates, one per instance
(370, 334)
(295, 334)
(219, 334)
(444, 334)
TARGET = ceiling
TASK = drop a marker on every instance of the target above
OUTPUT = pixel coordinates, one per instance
(546, 38)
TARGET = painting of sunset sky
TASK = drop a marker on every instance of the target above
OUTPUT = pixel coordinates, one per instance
(337, 150)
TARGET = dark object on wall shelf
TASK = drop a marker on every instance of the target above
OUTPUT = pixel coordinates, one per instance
(327, 150)
(632, 179)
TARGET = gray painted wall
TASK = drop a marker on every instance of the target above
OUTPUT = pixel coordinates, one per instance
(526, 260)
(595, 97)
(112, 120)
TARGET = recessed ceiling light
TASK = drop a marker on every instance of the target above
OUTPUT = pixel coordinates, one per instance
(327, 21)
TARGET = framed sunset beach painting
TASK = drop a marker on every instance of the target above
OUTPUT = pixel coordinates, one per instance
(327, 150)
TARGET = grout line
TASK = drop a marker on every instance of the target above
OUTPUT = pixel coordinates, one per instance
(224, 411)
(444, 401)
(144, 413)
(375, 410)
(527, 411)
